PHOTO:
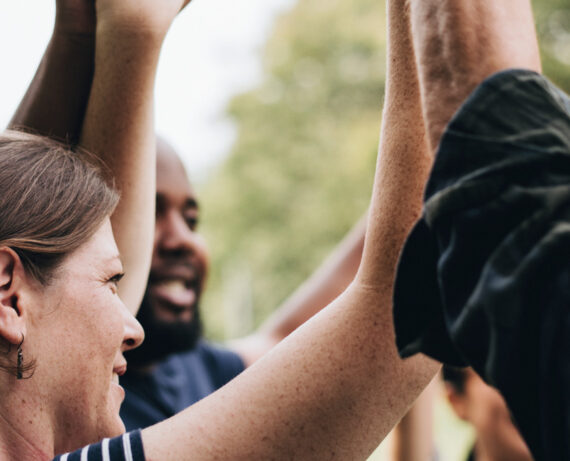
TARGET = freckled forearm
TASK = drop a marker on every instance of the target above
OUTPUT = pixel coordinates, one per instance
(119, 128)
(331, 390)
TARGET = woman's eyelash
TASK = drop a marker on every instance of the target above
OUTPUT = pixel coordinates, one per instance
(116, 278)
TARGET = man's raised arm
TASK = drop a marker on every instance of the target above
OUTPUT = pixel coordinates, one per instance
(461, 42)
(55, 102)
(489, 258)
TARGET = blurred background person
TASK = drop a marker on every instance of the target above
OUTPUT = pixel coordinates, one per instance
(175, 367)
(482, 406)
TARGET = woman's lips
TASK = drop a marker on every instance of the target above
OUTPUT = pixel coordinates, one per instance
(120, 370)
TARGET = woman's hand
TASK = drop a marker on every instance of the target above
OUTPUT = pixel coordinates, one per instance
(78, 17)
(139, 16)
(75, 17)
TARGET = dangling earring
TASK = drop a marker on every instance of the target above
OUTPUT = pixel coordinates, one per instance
(20, 362)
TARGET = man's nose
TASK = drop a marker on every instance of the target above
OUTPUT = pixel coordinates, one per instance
(176, 235)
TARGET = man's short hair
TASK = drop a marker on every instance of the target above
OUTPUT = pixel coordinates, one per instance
(455, 376)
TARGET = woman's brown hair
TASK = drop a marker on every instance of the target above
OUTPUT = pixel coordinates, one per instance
(51, 200)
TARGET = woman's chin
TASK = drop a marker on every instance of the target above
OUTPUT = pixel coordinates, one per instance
(116, 425)
(116, 428)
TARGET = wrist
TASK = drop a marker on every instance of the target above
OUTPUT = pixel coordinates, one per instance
(65, 35)
(132, 27)
(138, 37)
(127, 49)
(139, 43)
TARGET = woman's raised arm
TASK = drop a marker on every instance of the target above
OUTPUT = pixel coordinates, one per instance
(336, 386)
(119, 125)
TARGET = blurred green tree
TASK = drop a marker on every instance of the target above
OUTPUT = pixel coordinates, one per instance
(301, 170)
(553, 26)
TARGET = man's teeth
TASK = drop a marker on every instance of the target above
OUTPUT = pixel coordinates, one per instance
(174, 286)
(175, 292)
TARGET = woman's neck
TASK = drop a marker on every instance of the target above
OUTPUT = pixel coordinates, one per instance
(24, 434)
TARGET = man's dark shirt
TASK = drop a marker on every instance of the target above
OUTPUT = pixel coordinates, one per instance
(176, 383)
(484, 278)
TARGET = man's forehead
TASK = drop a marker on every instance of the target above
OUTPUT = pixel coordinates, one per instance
(171, 179)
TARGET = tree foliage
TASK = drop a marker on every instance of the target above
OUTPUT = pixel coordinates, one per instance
(553, 26)
(300, 172)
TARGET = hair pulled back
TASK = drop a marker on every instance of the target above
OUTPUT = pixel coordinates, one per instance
(51, 200)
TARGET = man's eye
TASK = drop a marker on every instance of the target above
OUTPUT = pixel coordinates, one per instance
(192, 222)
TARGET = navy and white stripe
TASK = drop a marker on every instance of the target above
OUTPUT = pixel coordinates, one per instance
(127, 447)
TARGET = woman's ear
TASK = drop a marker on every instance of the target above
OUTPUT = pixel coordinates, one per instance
(12, 277)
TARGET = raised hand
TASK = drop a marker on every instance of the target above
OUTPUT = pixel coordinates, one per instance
(141, 15)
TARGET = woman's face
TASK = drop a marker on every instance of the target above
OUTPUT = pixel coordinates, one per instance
(79, 333)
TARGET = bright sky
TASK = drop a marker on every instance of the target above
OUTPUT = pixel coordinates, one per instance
(211, 53)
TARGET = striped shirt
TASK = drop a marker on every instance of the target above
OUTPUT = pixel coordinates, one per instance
(126, 447)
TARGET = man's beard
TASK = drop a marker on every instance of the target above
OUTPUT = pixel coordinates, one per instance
(163, 338)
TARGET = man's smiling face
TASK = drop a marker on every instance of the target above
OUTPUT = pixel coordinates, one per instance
(170, 310)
